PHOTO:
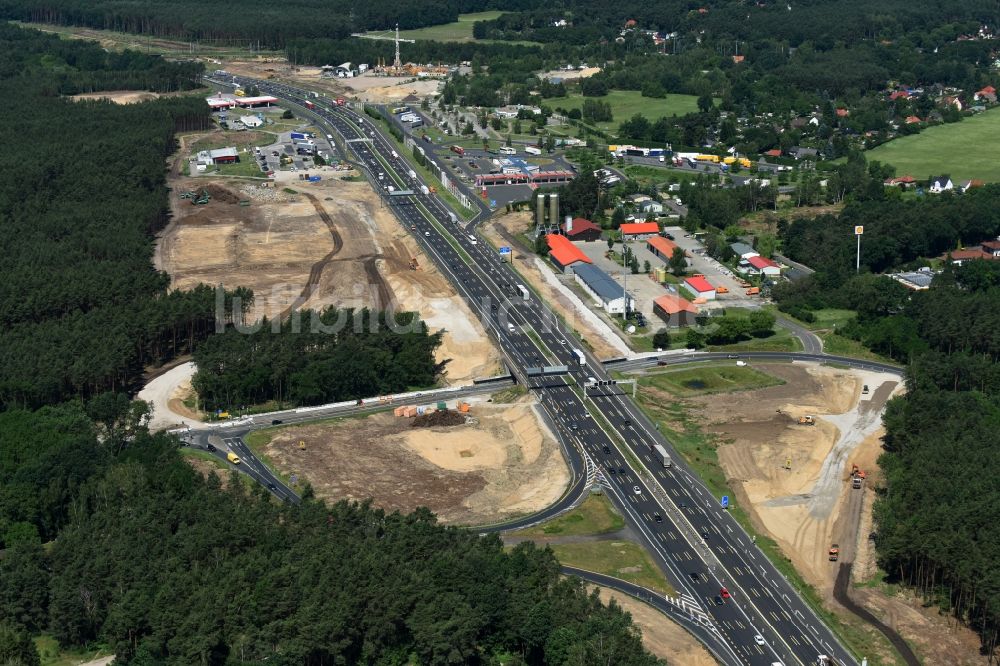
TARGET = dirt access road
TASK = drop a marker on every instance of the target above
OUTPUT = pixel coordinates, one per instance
(314, 245)
(501, 464)
(811, 505)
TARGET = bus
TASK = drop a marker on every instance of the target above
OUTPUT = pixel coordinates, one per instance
(399, 109)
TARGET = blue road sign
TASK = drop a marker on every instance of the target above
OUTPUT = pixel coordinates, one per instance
(504, 250)
(493, 203)
(725, 501)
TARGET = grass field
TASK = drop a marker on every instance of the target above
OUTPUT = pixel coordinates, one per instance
(962, 150)
(621, 559)
(627, 103)
(52, 655)
(459, 31)
(709, 379)
(594, 516)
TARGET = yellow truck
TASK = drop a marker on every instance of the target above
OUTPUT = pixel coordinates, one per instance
(233, 458)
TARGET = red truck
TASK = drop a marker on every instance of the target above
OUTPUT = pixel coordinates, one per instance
(340, 101)
(310, 105)
(458, 150)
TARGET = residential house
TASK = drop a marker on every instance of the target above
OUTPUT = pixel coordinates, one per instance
(611, 295)
(675, 310)
(912, 120)
(940, 184)
(800, 153)
(987, 94)
(564, 255)
(774, 152)
(901, 182)
(969, 184)
(581, 229)
(743, 250)
(654, 207)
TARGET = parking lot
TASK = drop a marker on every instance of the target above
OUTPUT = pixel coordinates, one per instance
(715, 272)
(643, 289)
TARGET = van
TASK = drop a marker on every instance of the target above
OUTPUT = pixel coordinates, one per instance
(472, 239)
(233, 458)
(510, 327)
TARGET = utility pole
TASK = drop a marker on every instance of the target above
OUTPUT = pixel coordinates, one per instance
(858, 231)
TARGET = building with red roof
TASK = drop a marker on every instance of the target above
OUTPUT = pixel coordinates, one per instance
(639, 230)
(774, 152)
(581, 229)
(661, 247)
(842, 113)
(762, 265)
(564, 254)
(699, 287)
(675, 310)
(912, 120)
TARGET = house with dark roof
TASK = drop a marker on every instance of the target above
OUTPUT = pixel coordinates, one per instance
(611, 295)
(940, 184)
(800, 153)
(742, 250)
(581, 229)
(675, 310)
(564, 255)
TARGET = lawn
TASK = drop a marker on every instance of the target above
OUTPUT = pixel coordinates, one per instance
(782, 340)
(829, 318)
(459, 31)
(627, 103)
(594, 516)
(962, 150)
(52, 655)
(709, 379)
(621, 559)
(839, 345)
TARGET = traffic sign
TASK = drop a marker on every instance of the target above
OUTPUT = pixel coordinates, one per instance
(493, 203)
(725, 501)
(858, 230)
(505, 250)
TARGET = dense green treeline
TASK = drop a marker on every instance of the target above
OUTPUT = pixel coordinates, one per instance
(167, 567)
(941, 460)
(247, 21)
(338, 355)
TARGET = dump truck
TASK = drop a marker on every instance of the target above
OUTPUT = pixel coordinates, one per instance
(807, 420)
(233, 458)
(834, 552)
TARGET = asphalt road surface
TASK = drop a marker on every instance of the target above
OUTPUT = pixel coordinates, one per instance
(696, 542)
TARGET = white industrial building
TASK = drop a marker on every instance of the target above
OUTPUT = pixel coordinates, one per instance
(612, 297)
(251, 122)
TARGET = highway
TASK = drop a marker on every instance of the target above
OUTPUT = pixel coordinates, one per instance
(699, 546)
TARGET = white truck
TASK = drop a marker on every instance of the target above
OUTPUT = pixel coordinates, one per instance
(664, 457)
(580, 357)
(525, 294)
(533, 150)
(508, 150)
(453, 217)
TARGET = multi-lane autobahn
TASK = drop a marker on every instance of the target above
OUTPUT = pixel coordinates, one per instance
(760, 618)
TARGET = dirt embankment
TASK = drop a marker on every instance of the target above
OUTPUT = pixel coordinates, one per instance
(500, 464)
(794, 482)
(660, 635)
(503, 230)
(313, 245)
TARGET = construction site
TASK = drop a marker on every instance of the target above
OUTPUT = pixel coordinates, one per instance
(313, 244)
(470, 464)
(801, 460)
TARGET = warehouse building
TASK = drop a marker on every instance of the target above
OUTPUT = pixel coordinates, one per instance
(218, 156)
(675, 310)
(599, 284)
(564, 255)
(699, 287)
(661, 247)
(639, 230)
(581, 229)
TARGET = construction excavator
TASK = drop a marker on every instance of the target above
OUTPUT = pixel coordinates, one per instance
(807, 420)
(857, 477)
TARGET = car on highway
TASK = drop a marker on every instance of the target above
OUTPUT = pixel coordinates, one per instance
(607, 449)
(657, 517)
(704, 534)
(759, 640)
(272, 487)
(611, 470)
(574, 427)
(427, 233)
(637, 490)
(694, 576)
(719, 601)
(733, 356)
(724, 593)
(661, 363)
(275, 421)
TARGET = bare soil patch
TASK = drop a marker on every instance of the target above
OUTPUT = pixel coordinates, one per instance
(660, 635)
(500, 464)
(118, 96)
(327, 244)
